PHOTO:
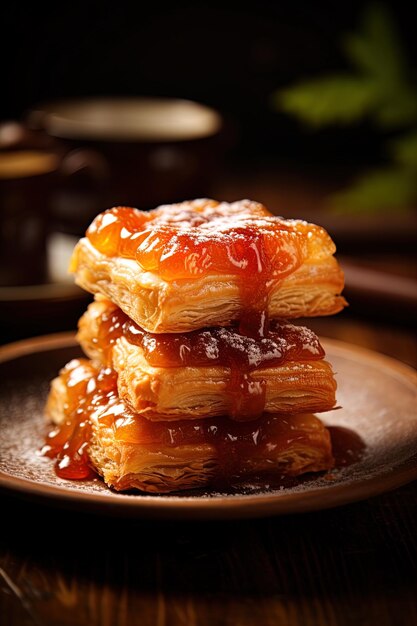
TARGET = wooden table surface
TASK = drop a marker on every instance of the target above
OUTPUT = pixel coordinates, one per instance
(356, 564)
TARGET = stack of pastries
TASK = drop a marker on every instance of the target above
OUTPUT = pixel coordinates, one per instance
(195, 376)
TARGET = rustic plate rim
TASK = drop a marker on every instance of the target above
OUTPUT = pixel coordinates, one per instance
(220, 505)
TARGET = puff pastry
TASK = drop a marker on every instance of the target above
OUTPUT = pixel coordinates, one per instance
(202, 263)
(173, 386)
(132, 453)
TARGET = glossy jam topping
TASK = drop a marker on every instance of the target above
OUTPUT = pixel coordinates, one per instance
(194, 239)
(92, 394)
(215, 347)
(87, 391)
(191, 239)
(267, 433)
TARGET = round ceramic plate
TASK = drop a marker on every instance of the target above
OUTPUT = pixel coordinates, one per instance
(378, 396)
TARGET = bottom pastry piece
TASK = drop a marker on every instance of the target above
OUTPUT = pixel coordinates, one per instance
(94, 428)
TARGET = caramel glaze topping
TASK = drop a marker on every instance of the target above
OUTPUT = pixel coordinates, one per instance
(87, 391)
(90, 391)
(203, 237)
(216, 346)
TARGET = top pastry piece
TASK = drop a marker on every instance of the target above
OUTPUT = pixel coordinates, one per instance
(203, 263)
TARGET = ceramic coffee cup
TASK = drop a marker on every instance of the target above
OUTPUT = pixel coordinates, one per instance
(33, 169)
(155, 150)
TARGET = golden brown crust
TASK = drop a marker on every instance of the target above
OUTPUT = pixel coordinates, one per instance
(196, 392)
(161, 468)
(160, 306)
(174, 393)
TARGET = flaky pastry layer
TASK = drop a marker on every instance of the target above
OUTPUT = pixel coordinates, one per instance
(291, 447)
(213, 298)
(194, 392)
(159, 306)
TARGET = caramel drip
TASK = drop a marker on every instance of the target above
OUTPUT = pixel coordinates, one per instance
(87, 391)
(94, 392)
(193, 240)
(226, 347)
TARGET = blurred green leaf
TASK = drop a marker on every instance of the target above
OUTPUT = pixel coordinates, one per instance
(384, 189)
(380, 90)
(334, 99)
(404, 150)
(376, 49)
(383, 89)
